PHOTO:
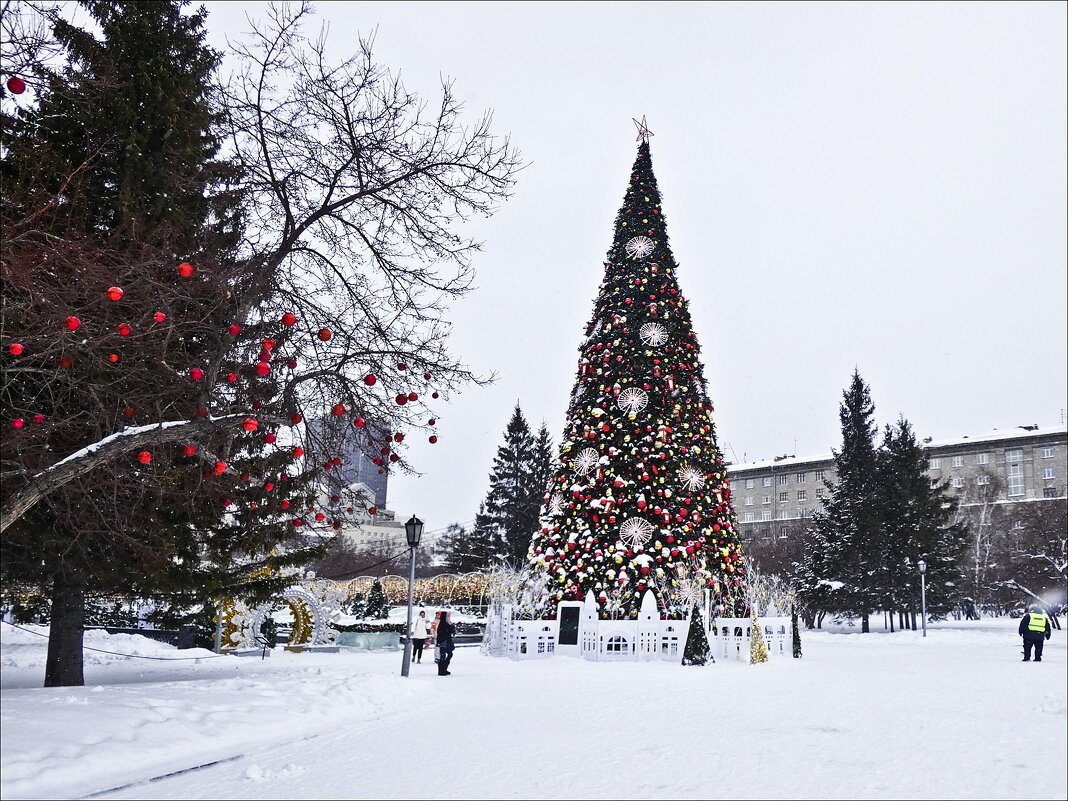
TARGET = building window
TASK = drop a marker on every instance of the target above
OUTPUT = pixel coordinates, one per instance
(802, 495)
(1014, 456)
(784, 479)
(749, 483)
(1016, 480)
(766, 500)
(782, 533)
(784, 514)
(958, 461)
(982, 458)
(1049, 473)
(958, 482)
(765, 515)
(934, 464)
(748, 500)
(784, 497)
(1049, 492)
(982, 481)
(767, 481)
(802, 478)
(1017, 525)
(820, 493)
(819, 475)
(1047, 453)
(749, 517)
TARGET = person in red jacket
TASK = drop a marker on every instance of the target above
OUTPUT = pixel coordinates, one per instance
(1035, 629)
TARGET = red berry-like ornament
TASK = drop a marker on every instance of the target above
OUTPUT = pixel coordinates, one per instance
(359, 422)
(433, 438)
(65, 362)
(325, 334)
(402, 366)
(289, 319)
(269, 344)
(16, 349)
(284, 504)
(319, 517)
(115, 293)
(234, 329)
(432, 421)
(296, 418)
(250, 424)
(144, 457)
(338, 410)
(413, 396)
(298, 452)
(231, 377)
(370, 379)
(16, 85)
(292, 364)
(159, 317)
(402, 399)
(18, 422)
(113, 358)
(220, 468)
(426, 376)
(185, 270)
(124, 329)
(373, 510)
(189, 451)
(38, 418)
(263, 368)
(398, 437)
(434, 395)
(196, 374)
(73, 323)
(297, 522)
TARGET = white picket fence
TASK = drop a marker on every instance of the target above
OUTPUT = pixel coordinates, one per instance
(578, 630)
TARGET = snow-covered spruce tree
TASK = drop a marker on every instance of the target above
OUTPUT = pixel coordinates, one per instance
(377, 605)
(514, 496)
(696, 651)
(639, 499)
(842, 562)
(795, 632)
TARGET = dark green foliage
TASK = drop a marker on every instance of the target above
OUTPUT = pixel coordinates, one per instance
(697, 651)
(795, 631)
(356, 606)
(377, 603)
(269, 631)
(104, 612)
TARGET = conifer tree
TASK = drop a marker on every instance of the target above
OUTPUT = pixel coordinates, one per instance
(513, 500)
(795, 632)
(640, 497)
(377, 605)
(697, 651)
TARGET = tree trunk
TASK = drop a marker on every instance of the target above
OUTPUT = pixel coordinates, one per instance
(912, 612)
(63, 667)
(864, 628)
(819, 620)
(891, 616)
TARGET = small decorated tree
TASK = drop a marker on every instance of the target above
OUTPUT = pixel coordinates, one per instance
(758, 650)
(697, 651)
(377, 602)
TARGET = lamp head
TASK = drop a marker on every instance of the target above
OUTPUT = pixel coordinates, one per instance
(413, 530)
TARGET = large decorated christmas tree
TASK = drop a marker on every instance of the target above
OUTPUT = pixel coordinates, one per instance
(639, 499)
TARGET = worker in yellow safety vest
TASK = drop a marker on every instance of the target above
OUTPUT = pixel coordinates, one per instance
(1035, 629)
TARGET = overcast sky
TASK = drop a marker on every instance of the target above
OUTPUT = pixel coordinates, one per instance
(845, 185)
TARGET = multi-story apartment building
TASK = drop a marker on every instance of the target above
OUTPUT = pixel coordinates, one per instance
(1005, 467)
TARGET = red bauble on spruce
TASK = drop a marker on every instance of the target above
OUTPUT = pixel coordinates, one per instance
(297, 418)
(115, 293)
(297, 522)
(159, 317)
(398, 437)
(434, 395)
(124, 329)
(359, 422)
(250, 424)
(73, 323)
(196, 374)
(370, 379)
(433, 438)
(292, 364)
(38, 418)
(432, 421)
(401, 400)
(289, 319)
(270, 438)
(413, 396)
(113, 358)
(185, 270)
(337, 410)
(263, 368)
(234, 329)
(220, 468)
(189, 451)
(402, 366)
(325, 334)
(284, 504)
(18, 422)
(426, 376)
(144, 457)
(16, 349)
(231, 377)
(16, 85)
(298, 452)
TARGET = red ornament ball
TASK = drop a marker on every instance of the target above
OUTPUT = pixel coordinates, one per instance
(263, 368)
(250, 424)
(269, 344)
(284, 504)
(144, 457)
(185, 270)
(231, 377)
(73, 323)
(398, 437)
(115, 293)
(359, 422)
(220, 468)
(270, 437)
(124, 329)
(319, 517)
(413, 396)
(113, 358)
(402, 399)
(433, 438)
(373, 510)
(402, 366)
(325, 334)
(18, 422)
(298, 452)
(434, 395)
(426, 376)
(289, 319)
(292, 364)
(16, 349)
(432, 421)
(234, 329)
(159, 317)
(297, 418)
(297, 522)
(196, 374)
(202, 412)
(38, 418)
(16, 85)
(337, 410)
(370, 379)
(189, 451)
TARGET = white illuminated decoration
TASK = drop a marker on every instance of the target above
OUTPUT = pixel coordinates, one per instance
(585, 461)
(639, 247)
(556, 504)
(691, 478)
(688, 592)
(653, 334)
(632, 399)
(636, 532)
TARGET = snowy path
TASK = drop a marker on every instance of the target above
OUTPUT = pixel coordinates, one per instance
(955, 716)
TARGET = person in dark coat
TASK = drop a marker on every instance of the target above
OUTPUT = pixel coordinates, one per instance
(1035, 630)
(443, 636)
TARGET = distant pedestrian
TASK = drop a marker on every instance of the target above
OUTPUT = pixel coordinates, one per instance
(443, 637)
(419, 634)
(1035, 630)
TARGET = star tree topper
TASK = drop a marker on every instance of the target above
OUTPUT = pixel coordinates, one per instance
(643, 130)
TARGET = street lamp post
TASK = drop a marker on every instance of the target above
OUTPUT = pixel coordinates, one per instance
(922, 565)
(413, 530)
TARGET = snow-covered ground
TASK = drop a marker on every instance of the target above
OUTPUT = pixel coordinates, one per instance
(860, 716)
